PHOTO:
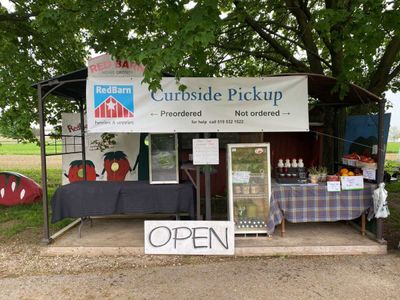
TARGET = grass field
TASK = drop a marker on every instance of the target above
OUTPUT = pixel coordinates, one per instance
(27, 148)
(393, 147)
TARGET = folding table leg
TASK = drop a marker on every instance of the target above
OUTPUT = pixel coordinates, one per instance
(363, 224)
(283, 229)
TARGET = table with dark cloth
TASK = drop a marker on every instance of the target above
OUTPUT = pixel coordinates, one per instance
(313, 203)
(99, 198)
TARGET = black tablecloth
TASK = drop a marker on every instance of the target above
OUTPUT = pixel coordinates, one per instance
(99, 198)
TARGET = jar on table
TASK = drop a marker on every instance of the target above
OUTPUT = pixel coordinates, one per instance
(246, 189)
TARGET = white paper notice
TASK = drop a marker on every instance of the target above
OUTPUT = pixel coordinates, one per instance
(352, 182)
(241, 177)
(369, 173)
(205, 152)
(333, 186)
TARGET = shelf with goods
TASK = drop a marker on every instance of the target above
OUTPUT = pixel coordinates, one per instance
(250, 214)
(249, 180)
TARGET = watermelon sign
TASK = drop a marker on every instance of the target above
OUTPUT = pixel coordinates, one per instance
(18, 189)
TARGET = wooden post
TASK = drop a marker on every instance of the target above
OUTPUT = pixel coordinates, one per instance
(283, 227)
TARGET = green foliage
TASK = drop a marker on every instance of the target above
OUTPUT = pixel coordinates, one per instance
(39, 39)
(356, 41)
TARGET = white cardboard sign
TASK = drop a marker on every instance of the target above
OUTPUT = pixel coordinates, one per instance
(333, 186)
(205, 152)
(189, 237)
(369, 173)
(243, 104)
(352, 182)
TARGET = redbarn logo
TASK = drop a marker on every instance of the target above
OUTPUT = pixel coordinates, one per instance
(113, 101)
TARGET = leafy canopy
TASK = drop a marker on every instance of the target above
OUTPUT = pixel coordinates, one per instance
(354, 40)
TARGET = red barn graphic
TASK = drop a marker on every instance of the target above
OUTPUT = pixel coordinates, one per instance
(112, 108)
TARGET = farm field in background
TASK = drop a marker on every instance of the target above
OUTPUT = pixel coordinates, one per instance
(14, 148)
(393, 147)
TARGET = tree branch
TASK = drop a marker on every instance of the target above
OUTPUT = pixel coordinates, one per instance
(306, 36)
(300, 45)
(297, 65)
(256, 54)
(382, 76)
(394, 73)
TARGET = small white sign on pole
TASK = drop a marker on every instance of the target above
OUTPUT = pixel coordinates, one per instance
(369, 173)
(189, 237)
(352, 182)
(205, 151)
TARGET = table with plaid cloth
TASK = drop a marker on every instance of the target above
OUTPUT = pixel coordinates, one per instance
(313, 203)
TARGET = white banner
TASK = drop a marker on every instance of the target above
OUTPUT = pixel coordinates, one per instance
(189, 237)
(207, 105)
(116, 163)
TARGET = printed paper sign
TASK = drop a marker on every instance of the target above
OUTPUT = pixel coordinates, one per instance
(352, 182)
(369, 173)
(125, 104)
(333, 186)
(189, 237)
(240, 177)
(205, 152)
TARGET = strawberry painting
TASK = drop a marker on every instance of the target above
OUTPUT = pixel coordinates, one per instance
(18, 189)
(116, 165)
(75, 172)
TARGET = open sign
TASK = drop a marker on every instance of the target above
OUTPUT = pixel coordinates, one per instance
(189, 237)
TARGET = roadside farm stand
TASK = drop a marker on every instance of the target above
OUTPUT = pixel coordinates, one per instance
(308, 145)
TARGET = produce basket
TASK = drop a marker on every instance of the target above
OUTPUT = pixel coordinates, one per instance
(349, 162)
(361, 164)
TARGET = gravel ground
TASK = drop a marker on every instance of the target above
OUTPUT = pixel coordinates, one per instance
(24, 274)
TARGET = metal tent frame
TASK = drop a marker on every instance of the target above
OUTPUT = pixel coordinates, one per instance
(72, 86)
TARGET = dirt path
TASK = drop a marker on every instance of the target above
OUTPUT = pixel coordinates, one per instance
(26, 275)
(28, 161)
(392, 156)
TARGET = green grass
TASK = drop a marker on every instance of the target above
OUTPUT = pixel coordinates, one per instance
(27, 148)
(394, 205)
(16, 219)
(393, 147)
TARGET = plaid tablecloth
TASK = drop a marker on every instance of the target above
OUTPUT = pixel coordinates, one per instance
(313, 203)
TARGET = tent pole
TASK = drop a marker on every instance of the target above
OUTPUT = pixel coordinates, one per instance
(83, 147)
(42, 123)
(381, 160)
(207, 184)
